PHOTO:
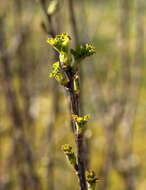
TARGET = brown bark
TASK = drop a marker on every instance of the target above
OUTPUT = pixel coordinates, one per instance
(77, 42)
(75, 109)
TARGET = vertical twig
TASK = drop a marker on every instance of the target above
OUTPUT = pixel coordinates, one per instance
(77, 43)
(70, 80)
(75, 110)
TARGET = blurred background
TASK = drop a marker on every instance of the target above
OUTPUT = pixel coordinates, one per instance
(34, 113)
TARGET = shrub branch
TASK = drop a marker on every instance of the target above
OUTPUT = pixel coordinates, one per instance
(66, 72)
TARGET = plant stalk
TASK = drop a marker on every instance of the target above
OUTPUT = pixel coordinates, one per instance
(75, 109)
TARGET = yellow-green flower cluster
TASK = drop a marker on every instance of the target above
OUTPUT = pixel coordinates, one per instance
(80, 122)
(83, 51)
(60, 43)
(69, 59)
(70, 154)
(57, 74)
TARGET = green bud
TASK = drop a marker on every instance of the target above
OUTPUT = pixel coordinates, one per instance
(58, 75)
(80, 122)
(67, 148)
(76, 84)
(91, 180)
(69, 154)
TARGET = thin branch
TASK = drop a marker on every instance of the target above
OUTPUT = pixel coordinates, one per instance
(18, 138)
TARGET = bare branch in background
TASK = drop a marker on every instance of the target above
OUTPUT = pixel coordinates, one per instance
(73, 22)
(51, 30)
(13, 110)
(128, 172)
(118, 108)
